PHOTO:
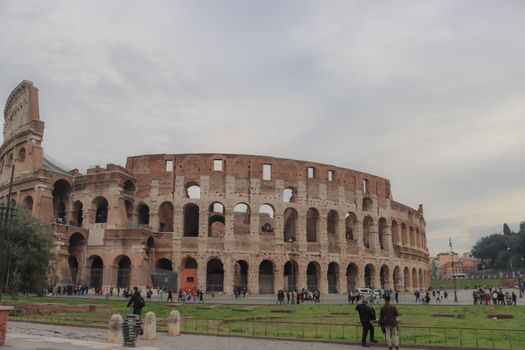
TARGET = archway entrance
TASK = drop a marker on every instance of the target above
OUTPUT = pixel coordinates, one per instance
(351, 277)
(333, 277)
(73, 268)
(266, 277)
(189, 279)
(124, 272)
(312, 276)
(163, 276)
(290, 275)
(240, 278)
(214, 276)
(97, 272)
(384, 277)
(369, 276)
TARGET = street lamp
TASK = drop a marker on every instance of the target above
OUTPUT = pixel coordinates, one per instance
(453, 272)
(510, 259)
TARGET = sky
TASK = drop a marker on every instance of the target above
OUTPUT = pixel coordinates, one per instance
(429, 94)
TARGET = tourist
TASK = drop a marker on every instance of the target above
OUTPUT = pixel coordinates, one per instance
(366, 316)
(396, 296)
(137, 302)
(388, 322)
(170, 296)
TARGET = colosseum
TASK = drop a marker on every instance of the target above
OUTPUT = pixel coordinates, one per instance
(212, 221)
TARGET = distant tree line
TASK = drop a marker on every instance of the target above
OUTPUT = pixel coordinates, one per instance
(502, 251)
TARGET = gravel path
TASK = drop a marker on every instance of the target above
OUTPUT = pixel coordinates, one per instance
(30, 336)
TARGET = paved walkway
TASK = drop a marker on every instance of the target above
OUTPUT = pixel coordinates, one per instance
(29, 336)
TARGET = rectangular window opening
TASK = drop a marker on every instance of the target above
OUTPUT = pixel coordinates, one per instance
(365, 185)
(330, 175)
(311, 172)
(218, 164)
(169, 166)
(267, 171)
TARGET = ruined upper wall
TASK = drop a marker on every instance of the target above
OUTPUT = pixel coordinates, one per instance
(245, 168)
(21, 109)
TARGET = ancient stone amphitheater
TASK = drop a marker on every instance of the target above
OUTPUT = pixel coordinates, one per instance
(213, 221)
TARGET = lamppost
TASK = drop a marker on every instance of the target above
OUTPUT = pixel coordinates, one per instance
(453, 271)
(510, 259)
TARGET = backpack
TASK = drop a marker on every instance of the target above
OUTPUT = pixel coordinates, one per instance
(142, 303)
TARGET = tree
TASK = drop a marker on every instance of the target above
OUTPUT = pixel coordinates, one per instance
(31, 254)
(492, 250)
(506, 230)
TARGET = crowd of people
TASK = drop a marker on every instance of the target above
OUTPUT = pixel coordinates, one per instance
(300, 297)
(493, 296)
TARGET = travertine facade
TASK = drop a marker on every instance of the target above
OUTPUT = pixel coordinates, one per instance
(213, 221)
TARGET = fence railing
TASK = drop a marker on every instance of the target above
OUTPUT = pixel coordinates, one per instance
(271, 328)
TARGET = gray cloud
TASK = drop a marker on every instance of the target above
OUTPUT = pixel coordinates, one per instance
(428, 94)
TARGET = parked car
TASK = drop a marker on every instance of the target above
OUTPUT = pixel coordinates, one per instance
(366, 293)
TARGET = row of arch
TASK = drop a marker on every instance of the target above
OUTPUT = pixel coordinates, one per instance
(267, 271)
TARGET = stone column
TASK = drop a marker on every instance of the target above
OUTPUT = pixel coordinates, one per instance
(253, 277)
(150, 326)
(115, 329)
(323, 278)
(374, 237)
(342, 287)
(278, 277)
(174, 323)
(228, 267)
(301, 273)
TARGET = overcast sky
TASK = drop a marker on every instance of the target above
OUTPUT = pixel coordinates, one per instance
(429, 94)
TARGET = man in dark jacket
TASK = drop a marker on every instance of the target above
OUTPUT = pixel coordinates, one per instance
(137, 302)
(366, 316)
(388, 322)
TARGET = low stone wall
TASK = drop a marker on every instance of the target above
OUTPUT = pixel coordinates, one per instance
(23, 308)
(4, 315)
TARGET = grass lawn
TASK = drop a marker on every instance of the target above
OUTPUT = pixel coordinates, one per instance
(419, 325)
(471, 283)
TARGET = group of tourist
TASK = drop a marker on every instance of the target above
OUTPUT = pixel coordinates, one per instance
(238, 291)
(493, 296)
(293, 297)
(191, 295)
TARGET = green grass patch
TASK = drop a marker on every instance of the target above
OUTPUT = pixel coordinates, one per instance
(327, 322)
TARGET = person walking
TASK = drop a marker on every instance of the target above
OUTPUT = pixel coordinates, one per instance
(388, 322)
(137, 302)
(366, 316)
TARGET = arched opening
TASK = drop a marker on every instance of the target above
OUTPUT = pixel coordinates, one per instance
(240, 274)
(266, 277)
(289, 194)
(129, 212)
(406, 278)
(241, 219)
(73, 268)
(193, 190)
(77, 243)
(415, 283)
(61, 192)
(351, 277)
(78, 214)
(332, 226)
(404, 234)
(290, 273)
(128, 187)
(397, 279)
(367, 204)
(100, 205)
(290, 225)
(150, 246)
(395, 233)
(97, 272)
(333, 277)
(191, 220)
(412, 237)
(266, 218)
(370, 272)
(166, 217)
(214, 276)
(27, 203)
(312, 276)
(382, 227)
(163, 276)
(312, 223)
(189, 274)
(350, 223)
(22, 154)
(123, 272)
(216, 220)
(367, 226)
(384, 277)
(143, 213)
